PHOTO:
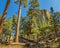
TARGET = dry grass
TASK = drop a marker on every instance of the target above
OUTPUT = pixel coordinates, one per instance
(11, 46)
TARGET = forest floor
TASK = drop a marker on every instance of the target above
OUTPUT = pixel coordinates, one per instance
(21, 46)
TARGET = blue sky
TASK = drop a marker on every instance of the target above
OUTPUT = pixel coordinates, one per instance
(13, 8)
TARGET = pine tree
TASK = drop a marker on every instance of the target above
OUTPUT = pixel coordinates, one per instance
(21, 2)
(3, 16)
(33, 13)
(52, 22)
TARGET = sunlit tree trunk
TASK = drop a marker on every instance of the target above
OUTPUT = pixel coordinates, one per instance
(18, 24)
(3, 16)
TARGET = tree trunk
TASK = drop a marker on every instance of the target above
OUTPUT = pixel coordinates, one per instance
(18, 24)
(3, 16)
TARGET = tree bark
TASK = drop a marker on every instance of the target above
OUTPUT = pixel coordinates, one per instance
(3, 16)
(18, 24)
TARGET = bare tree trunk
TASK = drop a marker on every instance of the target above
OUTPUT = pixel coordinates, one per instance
(3, 16)
(18, 24)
